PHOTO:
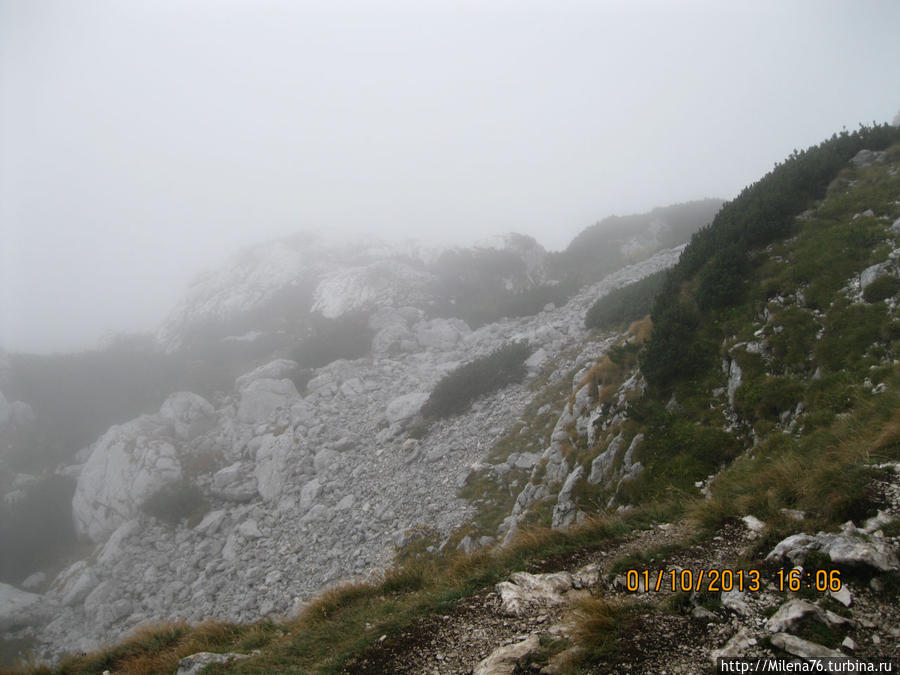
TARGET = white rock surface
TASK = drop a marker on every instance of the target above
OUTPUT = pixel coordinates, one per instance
(189, 414)
(736, 646)
(195, 663)
(279, 369)
(508, 659)
(524, 590)
(18, 608)
(406, 406)
(261, 398)
(302, 492)
(127, 464)
(802, 648)
(850, 547)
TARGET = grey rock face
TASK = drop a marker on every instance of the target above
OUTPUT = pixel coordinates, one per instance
(737, 645)
(18, 608)
(406, 406)
(507, 660)
(601, 467)
(524, 589)
(189, 414)
(304, 492)
(279, 369)
(195, 663)
(802, 648)
(263, 397)
(127, 464)
(565, 509)
(870, 274)
(850, 547)
(235, 483)
(442, 334)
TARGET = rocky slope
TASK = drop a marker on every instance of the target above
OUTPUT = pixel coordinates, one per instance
(770, 420)
(285, 493)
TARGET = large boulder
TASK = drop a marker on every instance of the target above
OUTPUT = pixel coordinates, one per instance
(189, 414)
(406, 406)
(18, 608)
(442, 334)
(127, 464)
(235, 483)
(851, 547)
(263, 397)
(279, 369)
(272, 464)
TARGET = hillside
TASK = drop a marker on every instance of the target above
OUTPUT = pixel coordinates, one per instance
(748, 423)
(259, 437)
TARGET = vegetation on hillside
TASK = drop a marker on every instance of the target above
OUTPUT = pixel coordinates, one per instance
(626, 304)
(460, 387)
(773, 296)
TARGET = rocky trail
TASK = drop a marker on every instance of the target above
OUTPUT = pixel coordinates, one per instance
(508, 629)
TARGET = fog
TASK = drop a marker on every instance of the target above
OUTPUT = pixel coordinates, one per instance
(142, 142)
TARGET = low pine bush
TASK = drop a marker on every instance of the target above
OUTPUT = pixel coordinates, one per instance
(460, 387)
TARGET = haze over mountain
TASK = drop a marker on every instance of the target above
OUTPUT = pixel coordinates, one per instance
(146, 142)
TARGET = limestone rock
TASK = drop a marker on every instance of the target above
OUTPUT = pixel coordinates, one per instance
(736, 601)
(195, 663)
(509, 659)
(34, 581)
(791, 613)
(394, 339)
(565, 509)
(754, 524)
(127, 464)
(602, 466)
(262, 397)
(75, 583)
(442, 334)
(736, 646)
(279, 369)
(870, 274)
(114, 547)
(842, 596)
(534, 362)
(235, 483)
(406, 406)
(524, 590)
(850, 547)
(273, 461)
(18, 608)
(189, 414)
(308, 494)
(802, 648)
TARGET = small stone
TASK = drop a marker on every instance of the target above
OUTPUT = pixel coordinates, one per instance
(842, 596)
(754, 524)
(848, 643)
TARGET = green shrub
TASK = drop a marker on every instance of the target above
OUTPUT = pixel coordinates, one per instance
(625, 304)
(459, 388)
(794, 344)
(172, 503)
(722, 280)
(675, 350)
(850, 332)
(881, 289)
(767, 397)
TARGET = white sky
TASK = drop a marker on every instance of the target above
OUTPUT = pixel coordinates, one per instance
(143, 141)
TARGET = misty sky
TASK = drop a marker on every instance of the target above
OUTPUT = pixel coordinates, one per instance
(143, 141)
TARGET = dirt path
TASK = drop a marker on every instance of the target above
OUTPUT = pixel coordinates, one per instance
(662, 634)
